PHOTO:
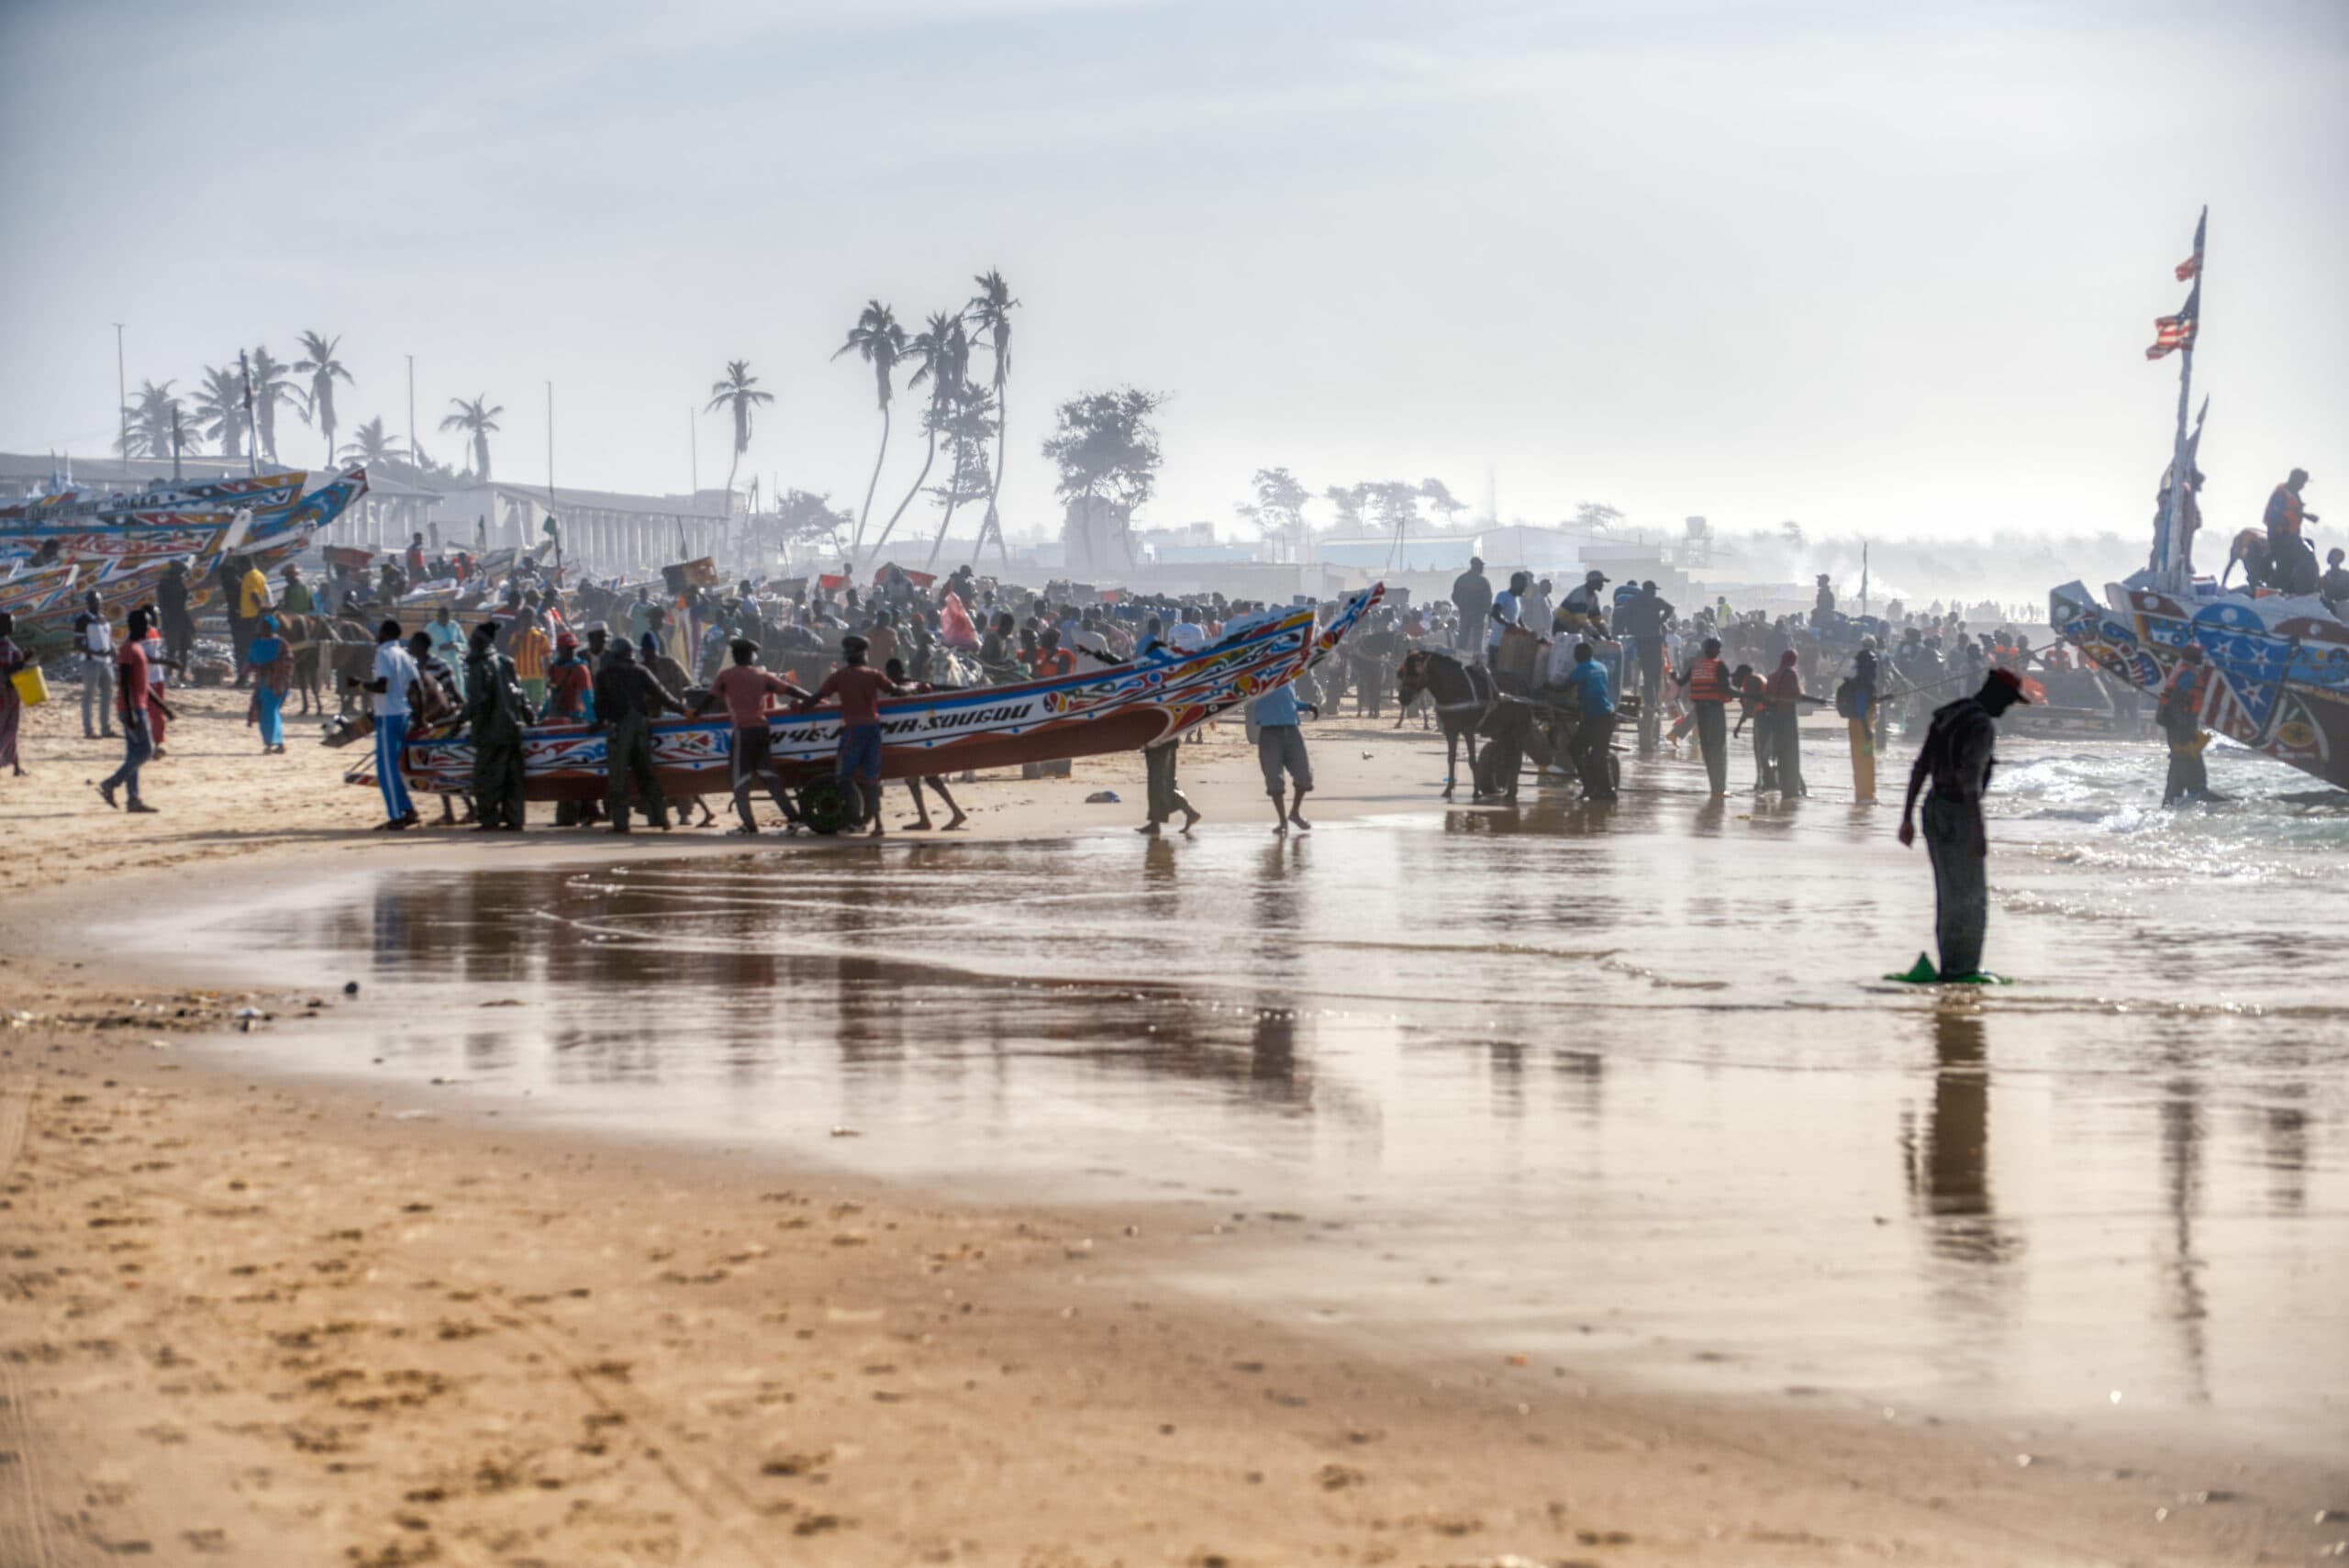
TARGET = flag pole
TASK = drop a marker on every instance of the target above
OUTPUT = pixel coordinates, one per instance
(2176, 566)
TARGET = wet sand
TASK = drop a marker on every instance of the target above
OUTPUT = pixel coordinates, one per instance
(1515, 1333)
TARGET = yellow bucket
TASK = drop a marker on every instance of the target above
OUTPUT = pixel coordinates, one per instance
(31, 685)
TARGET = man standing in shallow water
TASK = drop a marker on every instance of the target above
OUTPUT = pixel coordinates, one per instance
(1957, 759)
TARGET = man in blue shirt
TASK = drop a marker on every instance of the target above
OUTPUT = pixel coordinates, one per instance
(1595, 729)
(1280, 749)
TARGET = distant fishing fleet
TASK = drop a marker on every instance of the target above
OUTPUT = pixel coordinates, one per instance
(2275, 664)
(58, 548)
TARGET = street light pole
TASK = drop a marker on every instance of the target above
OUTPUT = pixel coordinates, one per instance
(122, 395)
(413, 461)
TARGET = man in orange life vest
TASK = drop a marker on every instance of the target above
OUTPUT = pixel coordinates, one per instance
(1706, 683)
(2179, 713)
(2291, 558)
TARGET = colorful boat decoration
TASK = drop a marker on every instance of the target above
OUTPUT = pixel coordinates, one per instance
(30, 590)
(1118, 708)
(176, 522)
(2279, 665)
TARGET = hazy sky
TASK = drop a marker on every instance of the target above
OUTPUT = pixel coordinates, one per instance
(1874, 267)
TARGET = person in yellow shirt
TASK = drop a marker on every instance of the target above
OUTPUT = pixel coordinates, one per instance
(249, 602)
(253, 599)
(532, 649)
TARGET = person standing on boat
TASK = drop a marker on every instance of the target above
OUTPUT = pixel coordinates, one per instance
(1280, 749)
(1471, 600)
(2179, 715)
(860, 688)
(2290, 557)
(1956, 760)
(2334, 584)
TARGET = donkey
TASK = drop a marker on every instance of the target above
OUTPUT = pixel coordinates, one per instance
(1468, 704)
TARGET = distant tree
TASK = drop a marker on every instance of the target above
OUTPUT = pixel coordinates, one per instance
(1439, 496)
(737, 391)
(971, 424)
(803, 514)
(149, 413)
(880, 342)
(317, 362)
(220, 409)
(1349, 500)
(477, 420)
(990, 315)
(941, 353)
(373, 447)
(1107, 447)
(272, 388)
(1280, 503)
(1791, 531)
(1597, 515)
(1396, 503)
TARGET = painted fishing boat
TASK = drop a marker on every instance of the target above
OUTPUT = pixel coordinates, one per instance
(30, 590)
(187, 521)
(2278, 664)
(1122, 707)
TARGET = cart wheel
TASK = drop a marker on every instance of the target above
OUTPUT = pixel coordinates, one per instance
(824, 806)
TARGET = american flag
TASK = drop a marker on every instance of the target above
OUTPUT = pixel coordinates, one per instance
(2172, 332)
(2192, 266)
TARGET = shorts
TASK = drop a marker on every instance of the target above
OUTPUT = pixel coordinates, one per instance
(860, 752)
(1280, 749)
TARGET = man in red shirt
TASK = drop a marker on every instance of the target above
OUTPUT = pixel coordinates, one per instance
(860, 688)
(744, 688)
(135, 698)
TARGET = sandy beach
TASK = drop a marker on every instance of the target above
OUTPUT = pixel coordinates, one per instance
(265, 1313)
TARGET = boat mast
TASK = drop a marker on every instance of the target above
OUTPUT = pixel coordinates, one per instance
(2175, 563)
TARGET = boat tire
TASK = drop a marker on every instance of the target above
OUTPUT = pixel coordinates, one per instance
(824, 806)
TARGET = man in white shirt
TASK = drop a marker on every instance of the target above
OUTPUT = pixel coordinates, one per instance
(1509, 609)
(97, 671)
(1187, 636)
(387, 693)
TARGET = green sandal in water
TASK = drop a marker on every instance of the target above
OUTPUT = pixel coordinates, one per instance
(1923, 972)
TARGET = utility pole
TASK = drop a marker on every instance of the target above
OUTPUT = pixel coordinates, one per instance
(412, 458)
(252, 425)
(122, 395)
(693, 448)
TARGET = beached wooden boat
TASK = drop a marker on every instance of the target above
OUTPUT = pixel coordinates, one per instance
(190, 520)
(1119, 708)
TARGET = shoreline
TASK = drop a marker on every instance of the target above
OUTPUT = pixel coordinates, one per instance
(278, 1315)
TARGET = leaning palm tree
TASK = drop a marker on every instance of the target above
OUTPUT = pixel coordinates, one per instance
(273, 385)
(990, 311)
(878, 339)
(476, 420)
(372, 446)
(319, 362)
(737, 391)
(220, 409)
(943, 349)
(148, 417)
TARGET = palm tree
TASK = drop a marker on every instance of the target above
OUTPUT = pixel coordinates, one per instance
(150, 415)
(271, 386)
(878, 339)
(990, 311)
(372, 446)
(736, 391)
(970, 424)
(317, 360)
(220, 409)
(476, 420)
(943, 351)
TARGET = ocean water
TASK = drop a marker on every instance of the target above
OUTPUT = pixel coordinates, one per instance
(1622, 1087)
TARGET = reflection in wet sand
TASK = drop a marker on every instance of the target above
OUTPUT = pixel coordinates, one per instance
(1621, 1081)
